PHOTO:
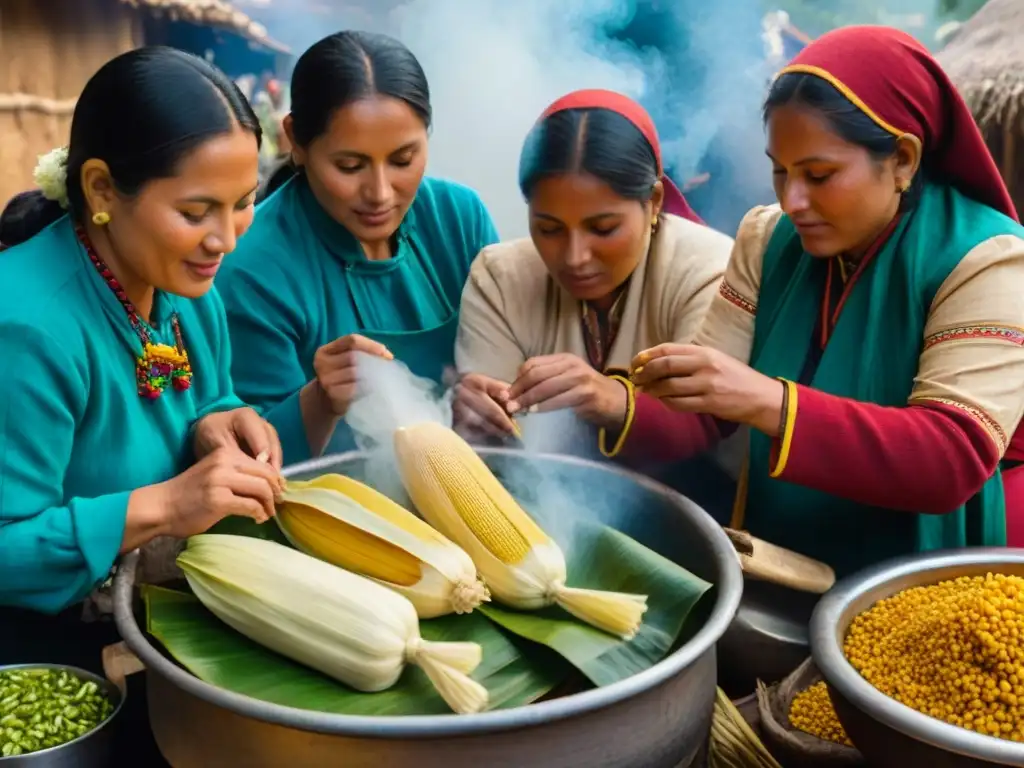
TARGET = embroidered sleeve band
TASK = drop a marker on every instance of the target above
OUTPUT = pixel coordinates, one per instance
(737, 299)
(972, 358)
(729, 323)
(1007, 333)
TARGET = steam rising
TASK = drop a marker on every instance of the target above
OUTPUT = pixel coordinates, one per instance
(499, 65)
(390, 396)
(494, 66)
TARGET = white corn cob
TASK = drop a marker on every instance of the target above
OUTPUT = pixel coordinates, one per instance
(353, 526)
(348, 627)
(523, 567)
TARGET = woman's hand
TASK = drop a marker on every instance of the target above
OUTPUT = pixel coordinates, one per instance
(327, 398)
(687, 377)
(226, 482)
(554, 382)
(335, 365)
(241, 428)
(478, 408)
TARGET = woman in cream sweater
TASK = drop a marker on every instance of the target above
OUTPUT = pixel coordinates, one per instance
(616, 262)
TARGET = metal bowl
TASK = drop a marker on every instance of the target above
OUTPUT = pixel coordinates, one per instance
(658, 718)
(90, 750)
(885, 731)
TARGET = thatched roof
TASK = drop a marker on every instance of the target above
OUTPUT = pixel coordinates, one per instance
(985, 58)
(210, 13)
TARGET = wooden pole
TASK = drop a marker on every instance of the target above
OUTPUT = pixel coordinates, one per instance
(14, 102)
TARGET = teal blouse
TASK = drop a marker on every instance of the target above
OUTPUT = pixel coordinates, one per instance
(299, 280)
(75, 437)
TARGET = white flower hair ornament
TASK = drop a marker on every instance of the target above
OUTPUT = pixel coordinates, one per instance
(51, 175)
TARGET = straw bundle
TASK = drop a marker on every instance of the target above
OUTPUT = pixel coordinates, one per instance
(985, 59)
(212, 13)
(733, 742)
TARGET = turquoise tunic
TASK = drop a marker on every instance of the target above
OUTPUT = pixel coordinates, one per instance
(75, 437)
(299, 280)
(871, 357)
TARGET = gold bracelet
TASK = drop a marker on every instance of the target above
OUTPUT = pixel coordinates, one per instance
(602, 435)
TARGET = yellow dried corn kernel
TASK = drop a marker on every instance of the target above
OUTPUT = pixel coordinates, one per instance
(484, 515)
(812, 712)
(953, 650)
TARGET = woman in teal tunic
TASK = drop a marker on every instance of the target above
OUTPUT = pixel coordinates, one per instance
(118, 423)
(358, 252)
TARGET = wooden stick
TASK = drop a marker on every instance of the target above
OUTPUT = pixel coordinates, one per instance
(766, 562)
(1010, 155)
(13, 102)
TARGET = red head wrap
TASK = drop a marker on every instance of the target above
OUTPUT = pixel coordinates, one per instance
(675, 202)
(899, 85)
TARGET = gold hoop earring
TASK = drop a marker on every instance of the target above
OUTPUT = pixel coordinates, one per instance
(654, 224)
(902, 187)
(101, 218)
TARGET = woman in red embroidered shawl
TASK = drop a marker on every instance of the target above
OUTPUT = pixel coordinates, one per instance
(869, 328)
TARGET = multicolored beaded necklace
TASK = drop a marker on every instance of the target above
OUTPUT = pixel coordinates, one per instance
(159, 363)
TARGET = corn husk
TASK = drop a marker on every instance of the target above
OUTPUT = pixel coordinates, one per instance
(522, 566)
(353, 526)
(341, 624)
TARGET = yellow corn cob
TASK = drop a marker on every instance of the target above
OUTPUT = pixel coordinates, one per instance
(353, 526)
(523, 567)
(348, 627)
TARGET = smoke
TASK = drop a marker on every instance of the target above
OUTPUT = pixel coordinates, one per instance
(701, 69)
(390, 397)
(494, 66)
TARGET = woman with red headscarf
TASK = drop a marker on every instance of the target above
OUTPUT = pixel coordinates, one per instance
(870, 327)
(616, 262)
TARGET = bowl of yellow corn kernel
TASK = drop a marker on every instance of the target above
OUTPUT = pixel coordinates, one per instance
(924, 658)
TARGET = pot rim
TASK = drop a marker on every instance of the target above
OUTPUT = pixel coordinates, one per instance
(837, 609)
(729, 588)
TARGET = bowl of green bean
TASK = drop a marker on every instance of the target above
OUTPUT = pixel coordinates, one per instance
(56, 716)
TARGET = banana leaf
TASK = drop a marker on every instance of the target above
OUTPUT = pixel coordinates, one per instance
(602, 558)
(218, 655)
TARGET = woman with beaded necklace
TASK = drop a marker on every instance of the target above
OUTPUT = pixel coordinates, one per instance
(118, 421)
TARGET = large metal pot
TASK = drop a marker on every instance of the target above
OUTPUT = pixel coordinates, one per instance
(889, 734)
(658, 718)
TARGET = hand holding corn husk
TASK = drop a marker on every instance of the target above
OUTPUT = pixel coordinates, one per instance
(353, 526)
(523, 567)
(348, 627)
